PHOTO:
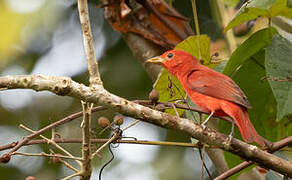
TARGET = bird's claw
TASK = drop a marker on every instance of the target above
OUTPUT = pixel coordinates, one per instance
(204, 126)
(230, 137)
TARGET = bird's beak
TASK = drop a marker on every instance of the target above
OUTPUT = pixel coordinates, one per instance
(156, 60)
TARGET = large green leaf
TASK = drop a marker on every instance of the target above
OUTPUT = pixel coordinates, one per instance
(279, 68)
(260, 8)
(280, 8)
(250, 78)
(263, 112)
(189, 45)
(251, 46)
(169, 90)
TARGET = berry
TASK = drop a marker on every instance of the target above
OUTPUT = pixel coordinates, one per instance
(5, 158)
(119, 120)
(103, 122)
(154, 95)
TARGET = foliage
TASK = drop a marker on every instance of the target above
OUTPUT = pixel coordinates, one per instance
(279, 73)
(263, 56)
(260, 8)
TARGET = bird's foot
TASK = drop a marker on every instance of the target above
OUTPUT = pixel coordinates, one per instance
(230, 137)
(204, 126)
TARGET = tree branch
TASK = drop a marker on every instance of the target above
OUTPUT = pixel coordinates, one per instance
(65, 86)
(52, 142)
(94, 77)
(276, 146)
(86, 168)
(78, 140)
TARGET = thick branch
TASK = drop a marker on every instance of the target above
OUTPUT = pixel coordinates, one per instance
(88, 43)
(276, 146)
(65, 86)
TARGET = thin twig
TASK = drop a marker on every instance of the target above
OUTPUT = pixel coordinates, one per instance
(68, 165)
(49, 141)
(175, 110)
(203, 162)
(78, 140)
(202, 152)
(49, 127)
(94, 77)
(61, 160)
(131, 125)
(106, 128)
(46, 155)
(86, 168)
(112, 139)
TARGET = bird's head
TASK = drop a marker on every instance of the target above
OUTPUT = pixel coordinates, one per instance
(175, 61)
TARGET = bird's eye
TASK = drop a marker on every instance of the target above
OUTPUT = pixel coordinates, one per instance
(170, 55)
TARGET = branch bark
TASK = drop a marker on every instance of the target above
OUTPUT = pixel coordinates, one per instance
(94, 77)
(276, 146)
(96, 141)
(86, 142)
(65, 86)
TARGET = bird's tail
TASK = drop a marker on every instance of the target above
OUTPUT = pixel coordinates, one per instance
(247, 130)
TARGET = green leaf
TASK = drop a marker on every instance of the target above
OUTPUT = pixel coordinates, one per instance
(189, 45)
(259, 8)
(167, 93)
(248, 48)
(263, 112)
(280, 8)
(264, 107)
(279, 69)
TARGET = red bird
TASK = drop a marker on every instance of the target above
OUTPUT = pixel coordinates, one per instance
(211, 91)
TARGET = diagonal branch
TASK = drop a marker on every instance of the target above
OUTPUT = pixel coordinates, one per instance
(65, 86)
(276, 146)
(52, 143)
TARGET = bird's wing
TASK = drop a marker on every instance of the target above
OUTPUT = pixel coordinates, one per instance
(214, 84)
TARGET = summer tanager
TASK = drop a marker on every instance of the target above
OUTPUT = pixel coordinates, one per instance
(211, 91)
